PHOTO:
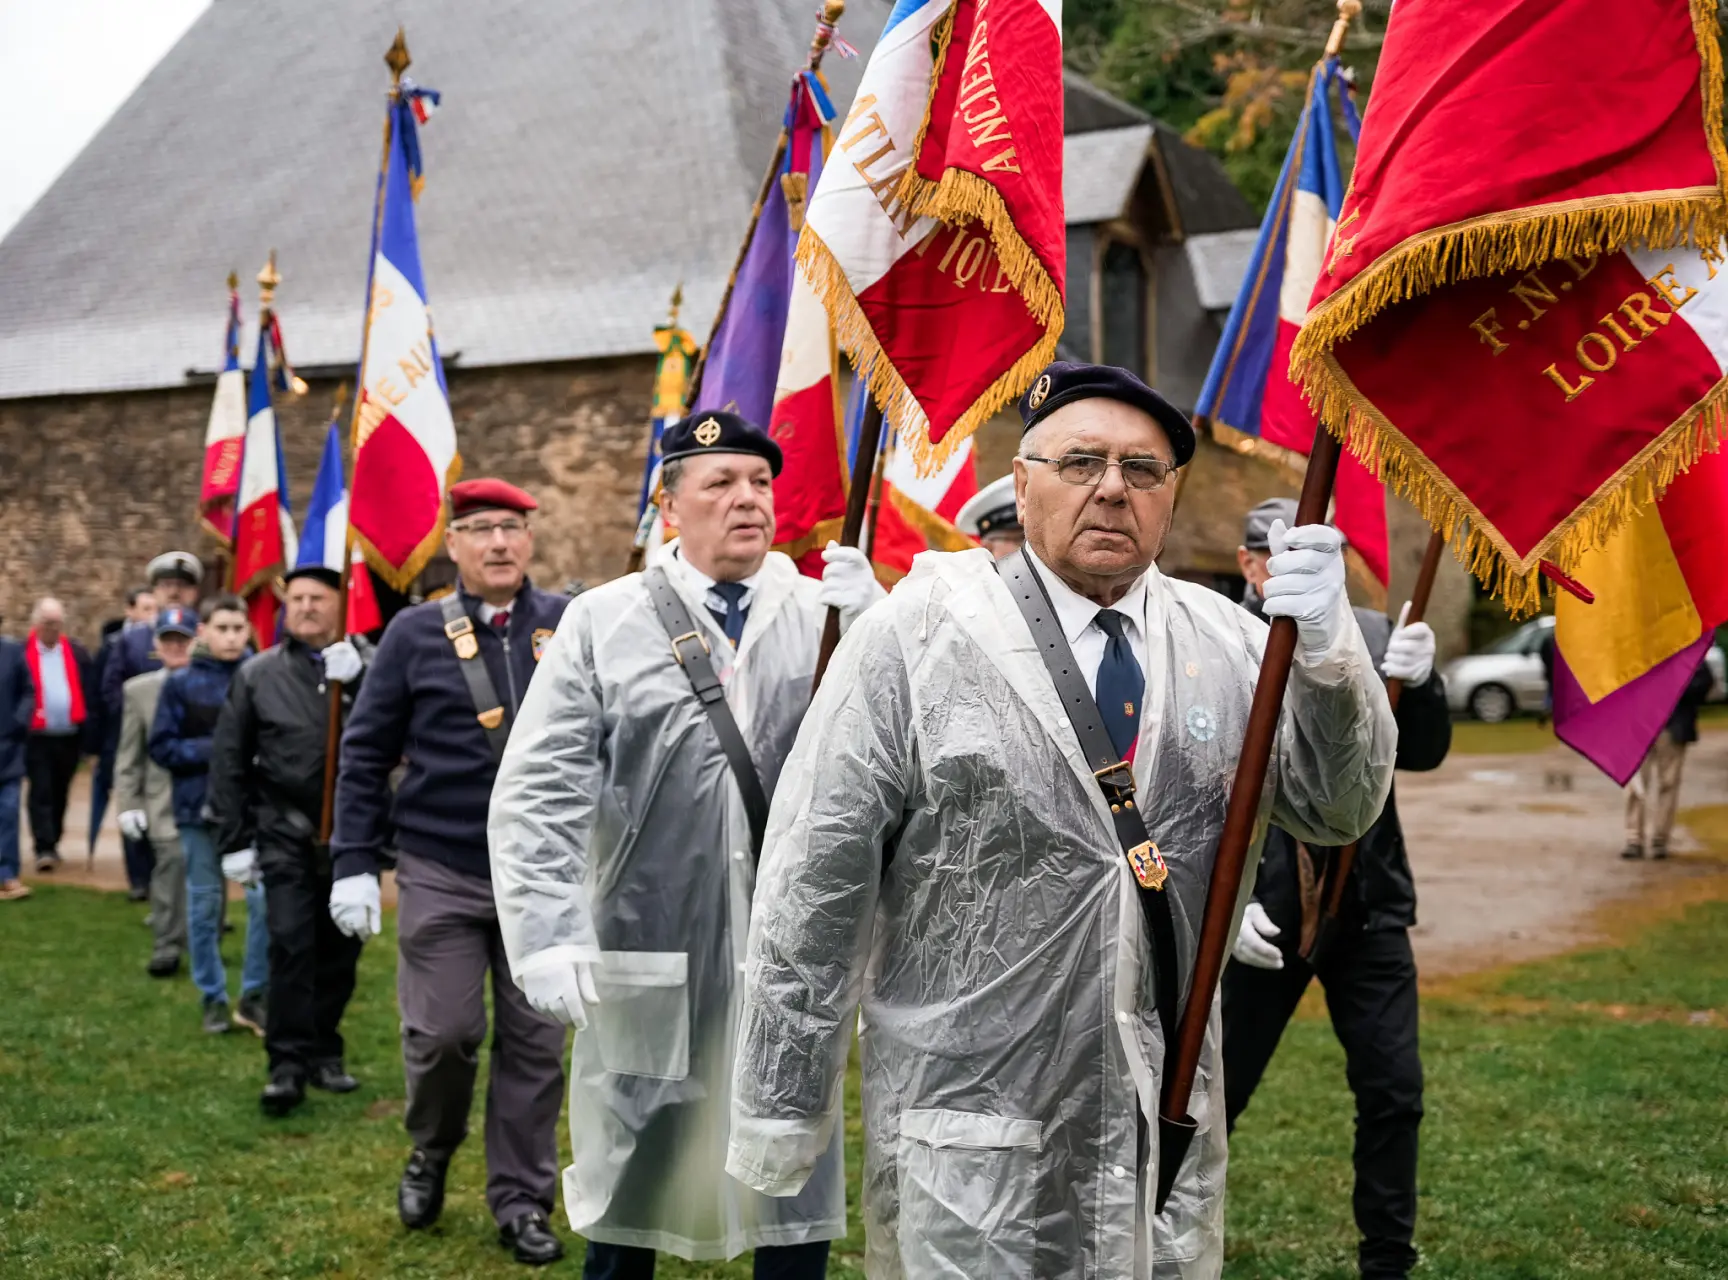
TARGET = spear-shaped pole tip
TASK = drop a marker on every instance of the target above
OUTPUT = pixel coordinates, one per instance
(397, 58)
(233, 281)
(268, 280)
(339, 399)
(677, 301)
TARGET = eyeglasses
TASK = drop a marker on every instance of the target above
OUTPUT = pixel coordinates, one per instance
(482, 532)
(1088, 469)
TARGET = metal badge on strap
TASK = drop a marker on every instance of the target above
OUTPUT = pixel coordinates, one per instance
(690, 647)
(1114, 775)
(488, 710)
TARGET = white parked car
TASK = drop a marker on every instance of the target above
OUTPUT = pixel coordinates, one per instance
(1507, 677)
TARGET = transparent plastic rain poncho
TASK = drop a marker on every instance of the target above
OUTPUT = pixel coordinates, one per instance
(618, 836)
(938, 847)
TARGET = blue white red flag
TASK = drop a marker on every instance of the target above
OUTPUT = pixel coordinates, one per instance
(225, 434)
(772, 357)
(264, 540)
(405, 454)
(1248, 388)
(324, 538)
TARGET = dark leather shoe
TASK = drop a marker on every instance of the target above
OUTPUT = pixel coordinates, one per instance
(285, 1091)
(163, 966)
(420, 1194)
(330, 1077)
(530, 1240)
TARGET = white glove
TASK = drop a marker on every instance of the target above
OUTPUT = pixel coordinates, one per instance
(1410, 651)
(342, 662)
(1253, 941)
(134, 823)
(848, 583)
(355, 906)
(1307, 584)
(241, 867)
(563, 992)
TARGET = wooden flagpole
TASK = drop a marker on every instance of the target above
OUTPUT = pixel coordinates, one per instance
(397, 59)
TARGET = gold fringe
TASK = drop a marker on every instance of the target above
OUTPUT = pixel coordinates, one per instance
(1477, 544)
(900, 408)
(1498, 243)
(401, 579)
(819, 536)
(941, 535)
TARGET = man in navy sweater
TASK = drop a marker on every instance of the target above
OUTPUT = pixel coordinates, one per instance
(422, 704)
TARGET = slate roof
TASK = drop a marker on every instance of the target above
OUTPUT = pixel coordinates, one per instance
(589, 156)
(1100, 171)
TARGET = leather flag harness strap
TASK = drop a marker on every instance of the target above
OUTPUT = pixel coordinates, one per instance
(1115, 778)
(690, 647)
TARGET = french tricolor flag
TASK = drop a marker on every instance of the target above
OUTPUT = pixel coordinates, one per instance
(405, 453)
(935, 238)
(225, 435)
(324, 540)
(1248, 388)
(264, 539)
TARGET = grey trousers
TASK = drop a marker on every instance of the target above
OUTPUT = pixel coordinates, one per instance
(447, 932)
(168, 900)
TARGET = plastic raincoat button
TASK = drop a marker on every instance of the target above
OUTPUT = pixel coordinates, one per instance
(1117, 1171)
(1122, 1017)
(737, 855)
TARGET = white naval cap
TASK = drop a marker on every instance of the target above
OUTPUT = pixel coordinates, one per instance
(176, 564)
(990, 509)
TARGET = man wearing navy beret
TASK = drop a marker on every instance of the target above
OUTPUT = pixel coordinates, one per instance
(442, 694)
(624, 829)
(997, 831)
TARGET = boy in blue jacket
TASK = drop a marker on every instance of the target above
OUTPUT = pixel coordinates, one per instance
(192, 698)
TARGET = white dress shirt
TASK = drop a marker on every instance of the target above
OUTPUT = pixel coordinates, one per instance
(1076, 613)
(490, 611)
(704, 585)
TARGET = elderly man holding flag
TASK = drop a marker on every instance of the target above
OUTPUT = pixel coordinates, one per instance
(624, 829)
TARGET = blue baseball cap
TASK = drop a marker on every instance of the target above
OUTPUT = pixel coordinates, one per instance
(177, 620)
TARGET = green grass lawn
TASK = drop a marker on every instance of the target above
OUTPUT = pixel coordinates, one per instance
(1526, 733)
(1560, 1140)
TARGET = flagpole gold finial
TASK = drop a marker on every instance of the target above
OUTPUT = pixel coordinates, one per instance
(233, 281)
(268, 280)
(339, 400)
(831, 13)
(397, 58)
(1347, 12)
(677, 301)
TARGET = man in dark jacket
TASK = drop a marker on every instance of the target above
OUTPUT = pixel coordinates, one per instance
(267, 802)
(174, 577)
(442, 693)
(1365, 967)
(180, 741)
(140, 616)
(1655, 792)
(17, 708)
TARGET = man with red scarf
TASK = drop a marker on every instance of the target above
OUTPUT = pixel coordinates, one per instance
(59, 670)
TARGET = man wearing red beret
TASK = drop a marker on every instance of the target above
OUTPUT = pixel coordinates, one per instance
(442, 694)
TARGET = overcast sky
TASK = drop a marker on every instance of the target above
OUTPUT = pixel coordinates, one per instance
(65, 66)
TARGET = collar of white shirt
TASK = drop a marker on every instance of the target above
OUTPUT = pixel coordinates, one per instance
(704, 585)
(1076, 612)
(490, 611)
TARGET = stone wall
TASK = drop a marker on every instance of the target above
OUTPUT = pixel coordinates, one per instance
(93, 486)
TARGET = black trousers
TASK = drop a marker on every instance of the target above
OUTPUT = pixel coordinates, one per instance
(312, 966)
(50, 760)
(772, 1262)
(1369, 978)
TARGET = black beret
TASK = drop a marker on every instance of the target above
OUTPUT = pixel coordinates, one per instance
(329, 577)
(716, 431)
(1065, 382)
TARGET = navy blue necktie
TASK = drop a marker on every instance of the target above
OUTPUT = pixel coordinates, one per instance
(1120, 683)
(731, 621)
